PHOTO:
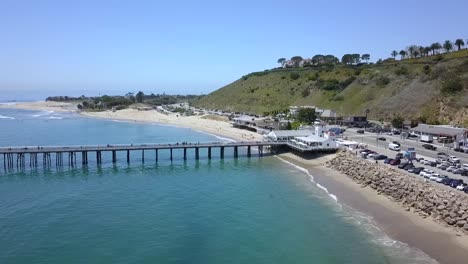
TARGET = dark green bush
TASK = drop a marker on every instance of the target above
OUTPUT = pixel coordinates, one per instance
(401, 71)
(382, 80)
(452, 86)
(294, 75)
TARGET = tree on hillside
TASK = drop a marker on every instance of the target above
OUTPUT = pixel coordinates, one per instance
(281, 61)
(318, 59)
(356, 58)
(459, 43)
(365, 57)
(411, 50)
(397, 122)
(427, 50)
(330, 59)
(297, 60)
(306, 115)
(403, 54)
(421, 51)
(347, 59)
(139, 97)
(435, 47)
(394, 54)
(448, 46)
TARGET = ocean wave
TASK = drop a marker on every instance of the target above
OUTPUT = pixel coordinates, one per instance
(56, 117)
(43, 113)
(6, 117)
(311, 177)
(9, 103)
(218, 137)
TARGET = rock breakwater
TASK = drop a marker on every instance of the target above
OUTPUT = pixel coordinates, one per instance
(424, 198)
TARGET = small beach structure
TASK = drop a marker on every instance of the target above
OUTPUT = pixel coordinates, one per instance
(286, 135)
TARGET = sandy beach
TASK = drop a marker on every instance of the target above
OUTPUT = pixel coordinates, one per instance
(199, 123)
(443, 244)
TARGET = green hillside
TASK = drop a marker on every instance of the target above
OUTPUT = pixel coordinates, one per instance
(433, 89)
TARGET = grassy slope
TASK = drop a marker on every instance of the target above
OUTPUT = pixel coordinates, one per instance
(413, 94)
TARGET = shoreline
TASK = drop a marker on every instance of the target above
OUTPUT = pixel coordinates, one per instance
(443, 244)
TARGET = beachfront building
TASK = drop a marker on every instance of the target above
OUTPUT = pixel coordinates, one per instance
(453, 134)
(313, 142)
(286, 135)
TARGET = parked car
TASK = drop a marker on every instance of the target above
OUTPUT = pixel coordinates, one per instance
(461, 186)
(395, 162)
(379, 157)
(458, 171)
(465, 189)
(454, 159)
(360, 131)
(396, 143)
(451, 168)
(426, 173)
(441, 178)
(399, 155)
(458, 149)
(429, 146)
(434, 176)
(464, 173)
(417, 170)
(446, 181)
(442, 166)
(402, 165)
(455, 182)
(382, 139)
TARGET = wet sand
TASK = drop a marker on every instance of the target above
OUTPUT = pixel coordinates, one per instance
(441, 243)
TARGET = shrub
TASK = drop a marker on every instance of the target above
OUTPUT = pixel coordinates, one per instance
(401, 71)
(245, 78)
(382, 80)
(452, 86)
(283, 77)
(294, 75)
(330, 84)
(312, 77)
(347, 82)
(357, 72)
(427, 69)
(305, 92)
(338, 97)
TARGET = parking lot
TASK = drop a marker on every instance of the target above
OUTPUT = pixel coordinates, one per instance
(381, 147)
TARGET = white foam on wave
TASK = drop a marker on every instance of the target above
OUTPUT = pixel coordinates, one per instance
(43, 113)
(311, 177)
(9, 103)
(218, 137)
(6, 117)
(56, 117)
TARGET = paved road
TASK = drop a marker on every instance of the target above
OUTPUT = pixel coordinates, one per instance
(371, 139)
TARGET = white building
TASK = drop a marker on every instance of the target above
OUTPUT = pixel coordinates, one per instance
(313, 142)
(286, 135)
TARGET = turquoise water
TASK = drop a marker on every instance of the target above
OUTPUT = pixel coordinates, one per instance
(257, 210)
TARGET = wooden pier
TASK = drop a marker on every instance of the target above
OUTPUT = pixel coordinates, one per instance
(19, 156)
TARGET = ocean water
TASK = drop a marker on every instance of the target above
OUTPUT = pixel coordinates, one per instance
(249, 210)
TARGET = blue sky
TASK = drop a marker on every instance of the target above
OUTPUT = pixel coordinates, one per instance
(111, 47)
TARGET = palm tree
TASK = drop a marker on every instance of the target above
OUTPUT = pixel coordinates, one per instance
(281, 61)
(448, 46)
(421, 51)
(427, 50)
(366, 57)
(435, 47)
(411, 50)
(394, 54)
(403, 54)
(459, 43)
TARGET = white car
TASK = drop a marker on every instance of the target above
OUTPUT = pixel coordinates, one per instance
(426, 162)
(451, 169)
(461, 187)
(426, 173)
(434, 176)
(454, 159)
(441, 178)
